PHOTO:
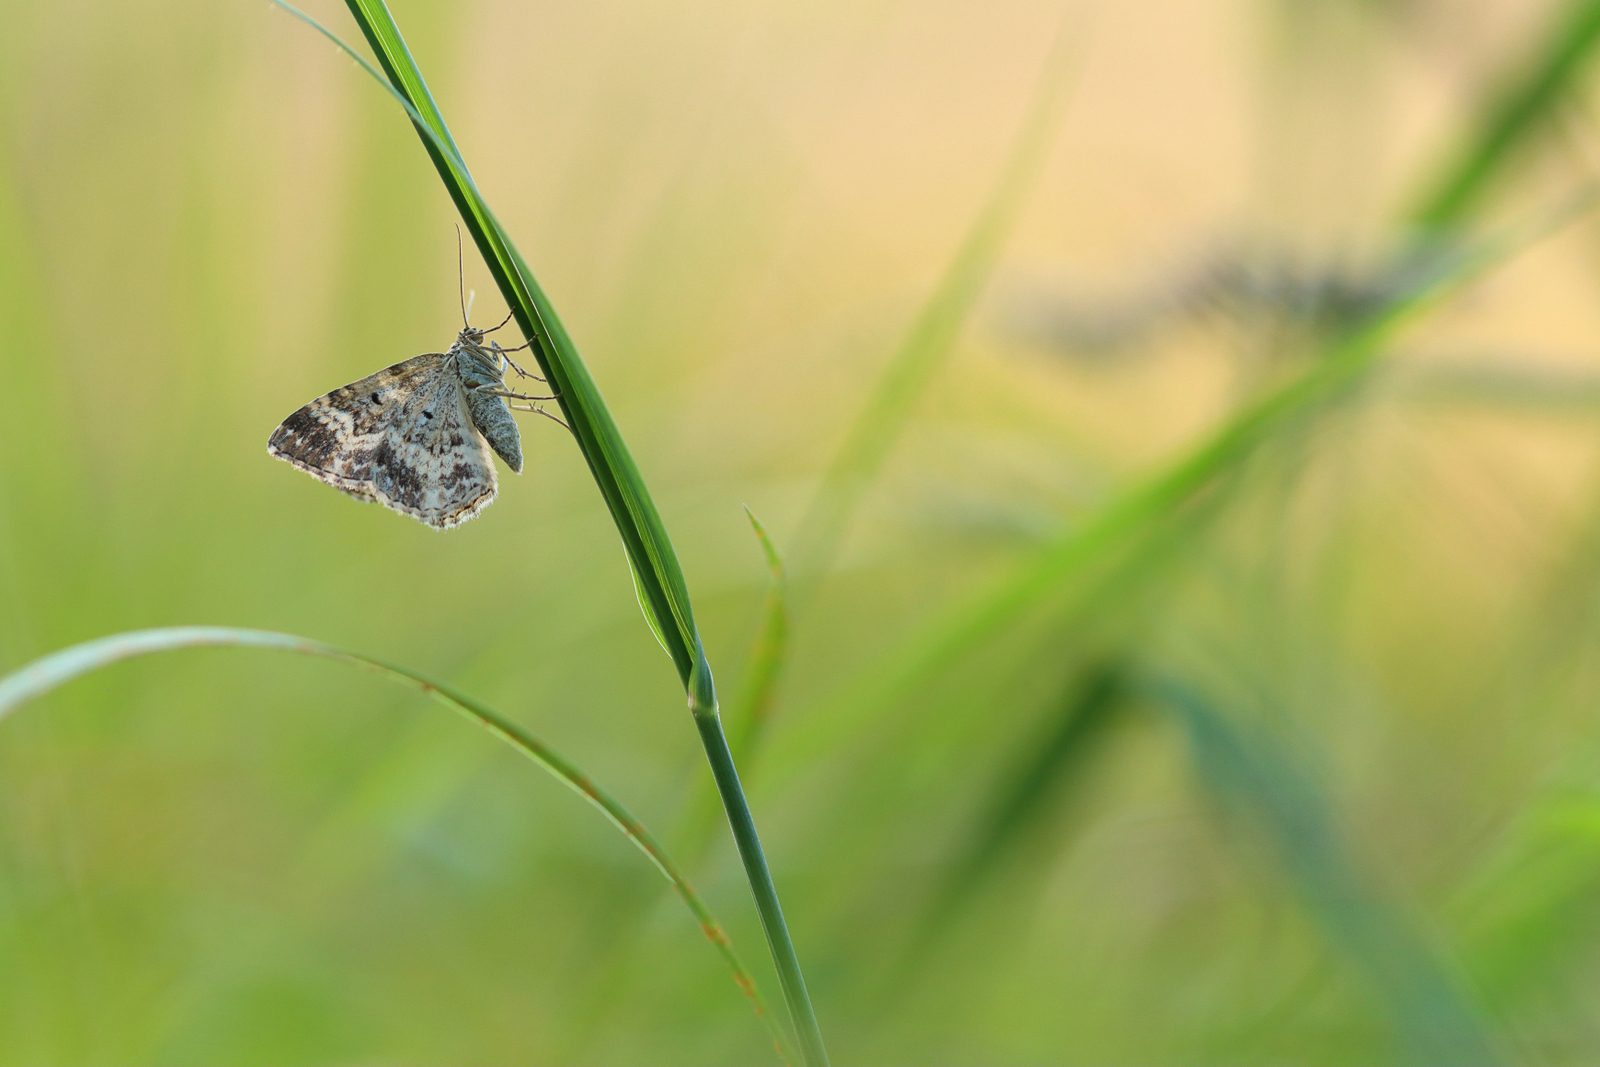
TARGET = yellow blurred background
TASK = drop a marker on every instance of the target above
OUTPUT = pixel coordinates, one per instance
(208, 216)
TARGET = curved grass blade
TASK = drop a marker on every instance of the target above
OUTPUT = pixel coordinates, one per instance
(757, 696)
(1258, 778)
(1519, 914)
(1508, 387)
(58, 668)
(1051, 766)
(929, 342)
(1043, 776)
(925, 348)
(759, 692)
(1341, 365)
(656, 571)
(1511, 116)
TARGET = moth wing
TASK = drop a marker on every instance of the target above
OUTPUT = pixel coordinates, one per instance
(432, 464)
(336, 437)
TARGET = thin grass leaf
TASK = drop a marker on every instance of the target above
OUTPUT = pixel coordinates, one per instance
(759, 693)
(58, 668)
(1145, 527)
(1337, 368)
(1252, 775)
(1510, 117)
(1526, 915)
(929, 342)
(757, 696)
(1040, 776)
(657, 573)
(1508, 386)
(1106, 612)
(1050, 766)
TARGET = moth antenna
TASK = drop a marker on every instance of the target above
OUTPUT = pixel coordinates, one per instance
(502, 323)
(472, 294)
(461, 277)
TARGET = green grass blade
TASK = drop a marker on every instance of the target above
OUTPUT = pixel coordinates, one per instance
(753, 707)
(1339, 366)
(1511, 116)
(1256, 777)
(58, 668)
(657, 573)
(660, 577)
(1044, 774)
(1093, 705)
(768, 652)
(933, 333)
(1507, 387)
(1146, 515)
(1520, 912)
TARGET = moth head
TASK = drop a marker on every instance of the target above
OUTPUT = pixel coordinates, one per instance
(474, 335)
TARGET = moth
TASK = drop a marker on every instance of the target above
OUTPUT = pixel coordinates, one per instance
(417, 437)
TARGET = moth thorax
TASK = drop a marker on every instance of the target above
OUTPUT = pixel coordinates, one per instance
(477, 364)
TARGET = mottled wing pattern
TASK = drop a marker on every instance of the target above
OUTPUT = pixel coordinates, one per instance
(432, 464)
(334, 437)
(401, 437)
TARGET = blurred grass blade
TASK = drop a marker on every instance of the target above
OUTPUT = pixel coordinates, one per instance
(1511, 116)
(1257, 778)
(1339, 366)
(1520, 913)
(933, 334)
(657, 573)
(767, 653)
(1021, 792)
(1147, 515)
(58, 668)
(1505, 386)
(1050, 766)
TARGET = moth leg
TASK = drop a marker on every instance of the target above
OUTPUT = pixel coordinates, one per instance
(508, 395)
(540, 411)
(501, 352)
(496, 346)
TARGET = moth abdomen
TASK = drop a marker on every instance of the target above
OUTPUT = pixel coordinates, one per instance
(495, 421)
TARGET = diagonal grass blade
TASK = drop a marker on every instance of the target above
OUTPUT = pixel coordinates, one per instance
(1251, 774)
(1510, 117)
(932, 336)
(58, 668)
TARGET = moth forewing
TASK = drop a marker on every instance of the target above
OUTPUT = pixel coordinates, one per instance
(335, 437)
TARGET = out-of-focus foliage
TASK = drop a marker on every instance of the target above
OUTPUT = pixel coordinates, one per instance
(1300, 770)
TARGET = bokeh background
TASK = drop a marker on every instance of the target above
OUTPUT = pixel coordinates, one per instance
(1302, 771)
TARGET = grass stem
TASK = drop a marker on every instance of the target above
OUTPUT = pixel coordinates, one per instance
(60, 667)
(743, 825)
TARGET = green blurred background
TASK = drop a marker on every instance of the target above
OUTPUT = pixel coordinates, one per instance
(1305, 772)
